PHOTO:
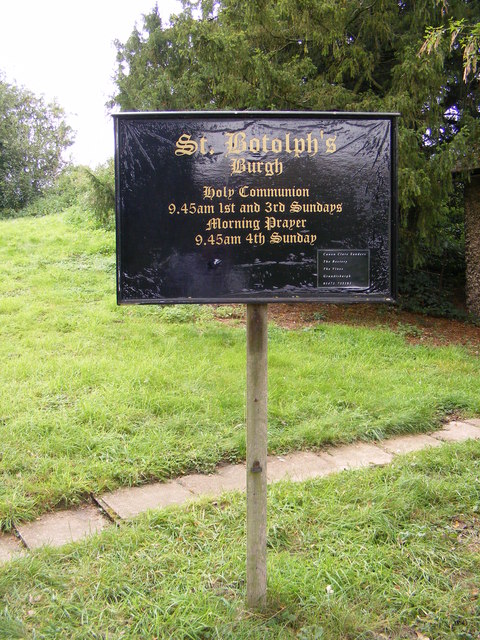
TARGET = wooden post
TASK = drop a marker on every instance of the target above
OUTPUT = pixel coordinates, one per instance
(257, 455)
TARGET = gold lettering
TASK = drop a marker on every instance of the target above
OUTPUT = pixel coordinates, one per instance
(244, 223)
(254, 167)
(331, 146)
(227, 208)
(252, 207)
(237, 166)
(295, 207)
(275, 238)
(274, 192)
(287, 143)
(316, 207)
(312, 145)
(270, 223)
(203, 142)
(210, 193)
(236, 142)
(274, 207)
(297, 238)
(277, 145)
(286, 223)
(269, 168)
(185, 146)
(273, 168)
(254, 145)
(255, 238)
(299, 146)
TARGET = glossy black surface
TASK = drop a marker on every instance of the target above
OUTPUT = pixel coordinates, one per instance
(345, 269)
(250, 207)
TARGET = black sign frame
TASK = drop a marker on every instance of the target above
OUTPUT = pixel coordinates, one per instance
(141, 243)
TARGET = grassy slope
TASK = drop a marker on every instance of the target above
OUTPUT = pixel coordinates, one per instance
(94, 396)
(368, 555)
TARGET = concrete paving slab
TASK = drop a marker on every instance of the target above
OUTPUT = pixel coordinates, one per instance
(231, 477)
(458, 432)
(473, 421)
(56, 529)
(10, 548)
(131, 501)
(299, 466)
(360, 454)
(234, 477)
(67, 526)
(407, 444)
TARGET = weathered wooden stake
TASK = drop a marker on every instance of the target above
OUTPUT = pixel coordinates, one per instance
(257, 347)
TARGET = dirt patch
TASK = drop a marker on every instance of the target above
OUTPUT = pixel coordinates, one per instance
(467, 532)
(417, 328)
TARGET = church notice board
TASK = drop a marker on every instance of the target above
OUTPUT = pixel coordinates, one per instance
(255, 207)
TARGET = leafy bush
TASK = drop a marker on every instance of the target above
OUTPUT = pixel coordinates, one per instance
(100, 194)
(90, 194)
(65, 192)
(33, 137)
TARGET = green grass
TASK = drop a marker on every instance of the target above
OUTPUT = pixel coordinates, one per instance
(95, 396)
(380, 553)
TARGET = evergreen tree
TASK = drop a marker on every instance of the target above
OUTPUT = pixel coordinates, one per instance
(440, 41)
(343, 55)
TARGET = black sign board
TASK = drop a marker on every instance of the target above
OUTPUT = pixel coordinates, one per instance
(255, 207)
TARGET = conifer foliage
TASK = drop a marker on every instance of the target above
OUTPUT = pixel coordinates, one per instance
(343, 55)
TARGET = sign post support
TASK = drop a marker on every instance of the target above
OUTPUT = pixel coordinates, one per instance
(256, 208)
(257, 455)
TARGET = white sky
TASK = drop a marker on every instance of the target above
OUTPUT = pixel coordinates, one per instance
(64, 49)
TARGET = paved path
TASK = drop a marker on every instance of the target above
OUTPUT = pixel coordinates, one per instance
(58, 528)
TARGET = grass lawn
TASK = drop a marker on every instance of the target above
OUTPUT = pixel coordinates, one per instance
(95, 396)
(386, 553)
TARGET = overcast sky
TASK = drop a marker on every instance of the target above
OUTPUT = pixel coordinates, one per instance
(64, 49)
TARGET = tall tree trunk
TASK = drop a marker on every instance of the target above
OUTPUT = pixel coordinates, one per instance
(472, 244)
